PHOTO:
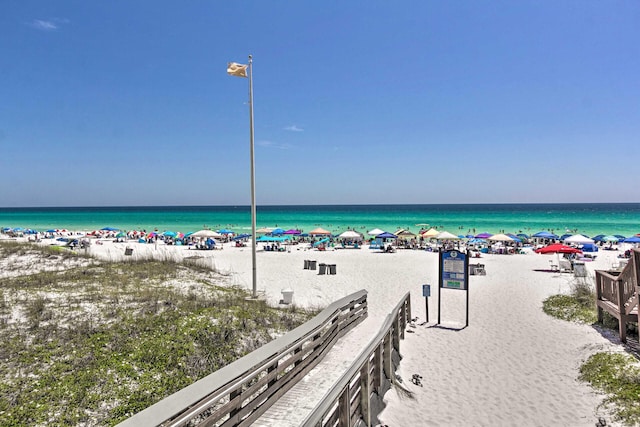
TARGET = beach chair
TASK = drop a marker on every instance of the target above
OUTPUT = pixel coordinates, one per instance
(565, 265)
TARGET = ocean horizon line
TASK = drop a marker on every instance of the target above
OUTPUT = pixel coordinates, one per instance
(336, 205)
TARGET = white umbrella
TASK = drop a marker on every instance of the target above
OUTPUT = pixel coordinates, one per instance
(578, 239)
(206, 233)
(375, 232)
(501, 238)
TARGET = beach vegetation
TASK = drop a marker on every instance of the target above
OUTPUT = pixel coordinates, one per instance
(577, 306)
(96, 342)
(618, 376)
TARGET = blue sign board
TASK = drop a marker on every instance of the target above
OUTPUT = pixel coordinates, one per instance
(454, 271)
(426, 290)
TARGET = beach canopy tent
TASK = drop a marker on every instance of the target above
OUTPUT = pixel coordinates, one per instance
(558, 248)
(445, 235)
(386, 235)
(404, 234)
(578, 239)
(319, 232)
(545, 235)
(430, 233)
(206, 233)
(375, 232)
(350, 234)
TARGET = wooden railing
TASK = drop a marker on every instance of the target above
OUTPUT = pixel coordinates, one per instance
(617, 294)
(357, 396)
(239, 393)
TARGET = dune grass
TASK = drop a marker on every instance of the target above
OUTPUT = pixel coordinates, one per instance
(616, 375)
(95, 343)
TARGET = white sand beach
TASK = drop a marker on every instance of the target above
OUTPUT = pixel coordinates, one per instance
(513, 364)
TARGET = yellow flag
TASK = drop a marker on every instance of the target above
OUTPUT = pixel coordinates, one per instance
(235, 69)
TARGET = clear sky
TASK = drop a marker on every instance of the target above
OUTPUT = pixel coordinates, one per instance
(129, 103)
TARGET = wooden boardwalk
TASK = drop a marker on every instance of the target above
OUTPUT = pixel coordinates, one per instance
(617, 294)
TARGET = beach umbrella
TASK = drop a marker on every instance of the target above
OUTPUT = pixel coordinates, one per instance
(170, 234)
(292, 232)
(609, 238)
(558, 248)
(578, 239)
(545, 235)
(225, 231)
(632, 239)
(484, 235)
(277, 231)
(598, 238)
(501, 238)
(620, 237)
(264, 230)
(110, 229)
(375, 232)
(121, 235)
(206, 233)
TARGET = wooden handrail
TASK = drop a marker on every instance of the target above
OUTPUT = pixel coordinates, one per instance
(365, 376)
(240, 392)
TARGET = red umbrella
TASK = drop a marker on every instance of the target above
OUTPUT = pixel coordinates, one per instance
(558, 248)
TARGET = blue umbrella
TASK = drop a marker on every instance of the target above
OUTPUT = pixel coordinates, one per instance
(278, 231)
(620, 237)
(170, 234)
(632, 239)
(110, 229)
(225, 231)
(545, 235)
(598, 238)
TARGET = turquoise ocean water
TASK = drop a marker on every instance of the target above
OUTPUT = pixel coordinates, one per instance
(589, 219)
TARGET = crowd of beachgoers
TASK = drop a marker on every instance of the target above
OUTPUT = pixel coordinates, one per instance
(513, 364)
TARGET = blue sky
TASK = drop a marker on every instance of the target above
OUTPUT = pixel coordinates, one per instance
(128, 103)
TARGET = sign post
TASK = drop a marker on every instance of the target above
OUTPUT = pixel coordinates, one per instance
(454, 274)
(426, 293)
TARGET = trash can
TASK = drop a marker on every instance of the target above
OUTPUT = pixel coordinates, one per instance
(306, 264)
(579, 269)
(332, 268)
(472, 269)
(312, 265)
(287, 296)
(323, 269)
(128, 251)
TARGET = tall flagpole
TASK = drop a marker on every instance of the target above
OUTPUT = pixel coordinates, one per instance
(253, 184)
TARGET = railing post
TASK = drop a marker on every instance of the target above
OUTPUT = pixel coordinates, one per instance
(377, 369)
(622, 324)
(396, 333)
(365, 393)
(599, 279)
(386, 364)
(344, 417)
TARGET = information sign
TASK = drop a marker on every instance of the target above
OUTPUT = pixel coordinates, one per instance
(426, 290)
(454, 270)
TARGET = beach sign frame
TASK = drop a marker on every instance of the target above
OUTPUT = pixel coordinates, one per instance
(453, 274)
